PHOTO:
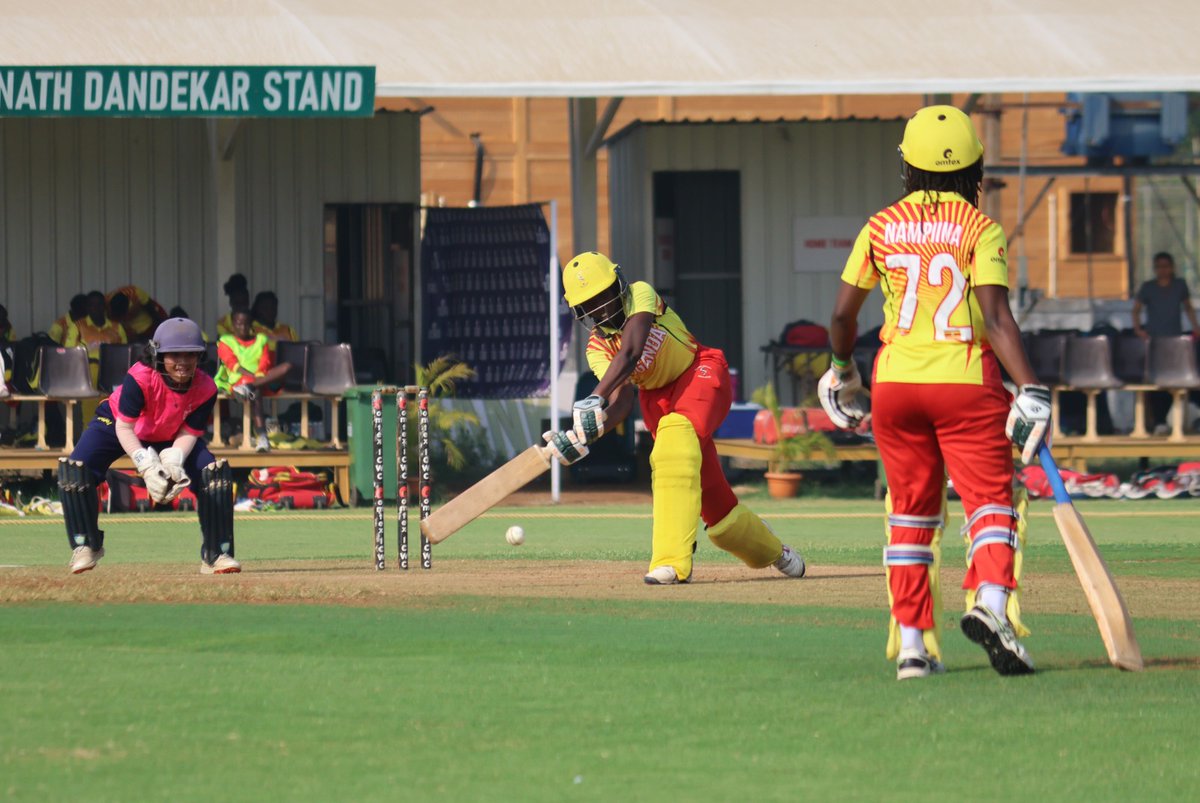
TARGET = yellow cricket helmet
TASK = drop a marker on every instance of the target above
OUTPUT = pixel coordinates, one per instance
(940, 139)
(587, 275)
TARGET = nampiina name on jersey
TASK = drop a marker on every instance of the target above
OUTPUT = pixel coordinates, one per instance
(916, 231)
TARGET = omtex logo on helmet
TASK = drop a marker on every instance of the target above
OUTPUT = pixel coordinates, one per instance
(947, 159)
(582, 279)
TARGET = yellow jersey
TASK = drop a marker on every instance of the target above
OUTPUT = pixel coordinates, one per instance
(670, 347)
(928, 257)
(282, 331)
(139, 322)
(88, 334)
(63, 330)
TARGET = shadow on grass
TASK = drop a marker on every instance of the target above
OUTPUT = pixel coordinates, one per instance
(1180, 663)
(782, 579)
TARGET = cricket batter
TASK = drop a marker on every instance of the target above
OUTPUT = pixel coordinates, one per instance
(939, 404)
(685, 393)
(157, 416)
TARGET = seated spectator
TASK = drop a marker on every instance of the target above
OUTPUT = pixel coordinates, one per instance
(140, 314)
(239, 296)
(95, 328)
(7, 335)
(247, 368)
(60, 330)
(179, 312)
(265, 311)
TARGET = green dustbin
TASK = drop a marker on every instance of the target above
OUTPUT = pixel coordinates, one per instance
(359, 434)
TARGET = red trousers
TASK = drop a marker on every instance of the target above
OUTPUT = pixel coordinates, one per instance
(923, 432)
(702, 394)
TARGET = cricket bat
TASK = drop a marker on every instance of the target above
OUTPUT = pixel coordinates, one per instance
(1108, 607)
(483, 495)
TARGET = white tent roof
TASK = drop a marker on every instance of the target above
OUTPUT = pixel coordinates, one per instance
(639, 47)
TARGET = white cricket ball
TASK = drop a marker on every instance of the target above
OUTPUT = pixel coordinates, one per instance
(515, 535)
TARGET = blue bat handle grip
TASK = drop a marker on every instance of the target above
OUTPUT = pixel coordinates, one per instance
(1051, 468)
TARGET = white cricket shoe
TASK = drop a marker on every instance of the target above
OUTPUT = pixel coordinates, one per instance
(224, 564)
(916, 663)
(84, 559)
(663, 576)
(791, 562)
(982, 626)
(261, 444)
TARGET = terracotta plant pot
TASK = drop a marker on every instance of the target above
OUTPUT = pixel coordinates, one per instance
(783, 485)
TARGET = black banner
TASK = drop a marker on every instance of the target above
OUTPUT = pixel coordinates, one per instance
(485, 299)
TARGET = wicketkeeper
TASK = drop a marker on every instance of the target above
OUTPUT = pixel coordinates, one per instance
(685, 393)
(157, 416)
(938, 402)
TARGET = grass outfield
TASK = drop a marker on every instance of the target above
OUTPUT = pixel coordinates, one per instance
(782, 694)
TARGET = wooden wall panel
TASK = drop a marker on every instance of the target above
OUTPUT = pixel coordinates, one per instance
(538, 144)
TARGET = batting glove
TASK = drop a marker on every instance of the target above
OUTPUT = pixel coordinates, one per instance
(566, 446)
(172, 463)
(842, 395)
(150, 467)
(589, 418)
(1028, 424)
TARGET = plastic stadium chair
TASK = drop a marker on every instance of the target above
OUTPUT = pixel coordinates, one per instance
(295, 354)
(65, 376)
(1047, 354)
(1131, 354)
(1088, 366)
(115, 361)
(329, 372)
(1173, 366)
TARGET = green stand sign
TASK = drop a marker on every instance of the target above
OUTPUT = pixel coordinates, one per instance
(187, 91)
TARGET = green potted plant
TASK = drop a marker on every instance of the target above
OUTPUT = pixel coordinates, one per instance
(788, 452)
(457, 446)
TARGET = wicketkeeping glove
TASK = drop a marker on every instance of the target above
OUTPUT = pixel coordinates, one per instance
(566, 446)
(150, 467)
(589, 418)
(842, 395)
(1029, 420)
(172, 463)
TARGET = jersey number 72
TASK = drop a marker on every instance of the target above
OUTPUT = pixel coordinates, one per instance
(934, 276)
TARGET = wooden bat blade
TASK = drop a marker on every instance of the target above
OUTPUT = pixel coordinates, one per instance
(1108, 607)
(483, 495)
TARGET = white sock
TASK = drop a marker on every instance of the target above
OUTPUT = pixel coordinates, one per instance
(993, 597)
(912, 638)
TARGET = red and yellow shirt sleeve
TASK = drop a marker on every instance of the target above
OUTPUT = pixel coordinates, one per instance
(860, 268)
(927, 251)
(991, 261)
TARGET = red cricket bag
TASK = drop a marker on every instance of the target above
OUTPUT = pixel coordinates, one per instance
(124, 491)
(804, 333)
(290, 487)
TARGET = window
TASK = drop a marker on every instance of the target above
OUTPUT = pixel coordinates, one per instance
(1093, 222)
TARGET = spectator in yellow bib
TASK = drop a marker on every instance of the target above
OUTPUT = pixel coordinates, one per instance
(247, 369)
(60, 330)
(265, 312)
(238, 295)
(95, 328)
(139, 313)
